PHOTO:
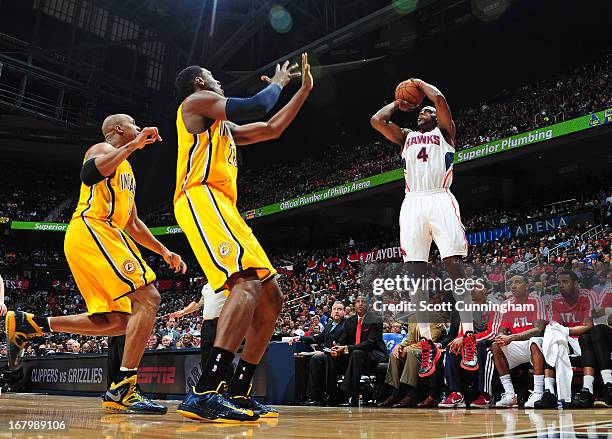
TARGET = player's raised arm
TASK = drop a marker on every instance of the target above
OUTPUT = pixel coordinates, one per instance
(138, 230)
(273, 128)
(192, 307)
(443, 112)
(102, 159)
(210, 103)
(381, 122)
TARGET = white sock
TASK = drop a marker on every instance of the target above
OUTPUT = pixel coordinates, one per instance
(538, 384)
(419, 297)
(425, 330)
(606, 375)
(468, 326)
(125, 369)
(587, 382)
(507, 383)
(551, 385)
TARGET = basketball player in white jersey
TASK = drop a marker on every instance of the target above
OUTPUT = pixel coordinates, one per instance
(430, 211)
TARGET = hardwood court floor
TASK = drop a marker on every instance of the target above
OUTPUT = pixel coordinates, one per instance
(84, 418)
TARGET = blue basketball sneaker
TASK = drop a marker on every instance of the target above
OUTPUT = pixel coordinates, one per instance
(213, 406)
(249, 403)
(20, 328)
(125, 397)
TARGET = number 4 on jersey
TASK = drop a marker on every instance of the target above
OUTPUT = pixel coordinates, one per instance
(423, 154)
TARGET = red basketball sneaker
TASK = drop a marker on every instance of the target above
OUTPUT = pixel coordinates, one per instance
(429, 356)
(454, 400)
(484, 401)
(468, 352)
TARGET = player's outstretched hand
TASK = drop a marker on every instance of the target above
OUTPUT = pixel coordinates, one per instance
(283, 74)
(307, 81)
(147, 136)
(405, 105)
(175, 262)
(175, 314)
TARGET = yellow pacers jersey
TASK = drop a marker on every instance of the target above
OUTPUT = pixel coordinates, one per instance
(104, 260)
(112, 199)
(205, 206)
(206, 158)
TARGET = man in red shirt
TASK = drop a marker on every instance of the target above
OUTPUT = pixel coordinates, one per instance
(518, 338)
(573, 309)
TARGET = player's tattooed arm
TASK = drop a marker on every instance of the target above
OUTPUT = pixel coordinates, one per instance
(273, 128)
(536, 331)
(586, 326)
(443, 112)
(138, 230)
(381, 122)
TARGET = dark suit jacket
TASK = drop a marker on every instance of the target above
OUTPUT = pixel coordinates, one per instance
(371, 334)
(327, 337)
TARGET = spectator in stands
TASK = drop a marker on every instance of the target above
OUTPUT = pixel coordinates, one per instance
(360, 347)
(76, 348)
(187, 341)
(171, 331)
(166, 342)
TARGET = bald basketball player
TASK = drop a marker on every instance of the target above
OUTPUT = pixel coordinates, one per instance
(112, 276)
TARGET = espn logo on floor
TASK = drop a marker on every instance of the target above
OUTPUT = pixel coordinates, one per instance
(156, 374)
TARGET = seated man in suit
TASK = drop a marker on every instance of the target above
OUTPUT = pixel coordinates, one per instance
(316, 386)
(404, 363)
(360, 347)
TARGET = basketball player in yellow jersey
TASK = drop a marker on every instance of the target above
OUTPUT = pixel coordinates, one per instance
(107, 266)
(231, 257)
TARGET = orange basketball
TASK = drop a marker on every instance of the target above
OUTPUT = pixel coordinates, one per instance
(409, 92)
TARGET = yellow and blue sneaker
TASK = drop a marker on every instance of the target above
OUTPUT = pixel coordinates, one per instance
(213, 406)
(125, 397)
(20, 327)
(249, 403)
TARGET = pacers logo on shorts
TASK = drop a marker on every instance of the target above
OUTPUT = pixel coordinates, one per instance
(225, 249)
(129, 266)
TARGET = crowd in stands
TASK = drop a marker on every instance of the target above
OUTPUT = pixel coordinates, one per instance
(585, 90)
(575, 200)
(29, 195)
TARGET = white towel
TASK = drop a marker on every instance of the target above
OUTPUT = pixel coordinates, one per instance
(556, 353)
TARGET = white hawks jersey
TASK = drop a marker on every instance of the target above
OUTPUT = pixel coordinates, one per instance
(428, 161)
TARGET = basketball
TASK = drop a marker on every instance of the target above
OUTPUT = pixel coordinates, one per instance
(409, 92)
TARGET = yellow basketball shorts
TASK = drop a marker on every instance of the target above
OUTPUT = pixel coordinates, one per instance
(106, 265)
(220, 239)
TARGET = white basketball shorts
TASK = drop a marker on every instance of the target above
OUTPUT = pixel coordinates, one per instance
(431, 215)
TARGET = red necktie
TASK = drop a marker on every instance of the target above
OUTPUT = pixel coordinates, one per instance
(358, 334)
